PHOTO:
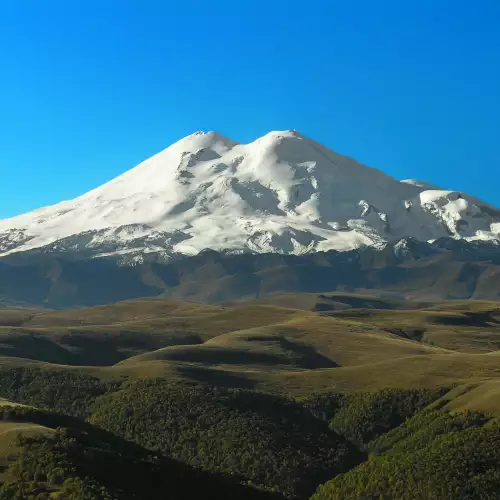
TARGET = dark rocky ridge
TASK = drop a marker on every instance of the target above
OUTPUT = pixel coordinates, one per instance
(445, 269)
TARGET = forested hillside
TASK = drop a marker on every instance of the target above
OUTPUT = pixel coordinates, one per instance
(364, 399)
(140, 439)
(434, 455)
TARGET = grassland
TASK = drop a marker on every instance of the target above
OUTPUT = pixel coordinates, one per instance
(296, 343)
(158, 386)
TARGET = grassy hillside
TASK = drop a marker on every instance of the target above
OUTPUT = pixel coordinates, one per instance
(160, 329)
(108, 334)
(264, 346)
(463, 326)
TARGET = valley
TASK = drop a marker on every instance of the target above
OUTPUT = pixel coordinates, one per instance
(273, 396)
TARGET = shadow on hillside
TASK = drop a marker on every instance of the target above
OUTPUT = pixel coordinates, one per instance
(410, 333)
(309, 357)
(128, 467)
(217, 378)
(479, 319)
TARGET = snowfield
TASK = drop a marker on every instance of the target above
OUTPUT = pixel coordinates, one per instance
(281, 193)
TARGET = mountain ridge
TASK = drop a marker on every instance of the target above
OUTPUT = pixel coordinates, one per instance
(282, 193)
(407, 268)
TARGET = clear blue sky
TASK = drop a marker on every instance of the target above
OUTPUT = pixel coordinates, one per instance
(89, 88)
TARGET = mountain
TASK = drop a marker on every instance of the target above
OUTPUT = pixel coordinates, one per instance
(283, 193)
(407, 268)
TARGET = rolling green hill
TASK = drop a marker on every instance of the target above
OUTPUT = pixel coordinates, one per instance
(269, 398)
(266, 346)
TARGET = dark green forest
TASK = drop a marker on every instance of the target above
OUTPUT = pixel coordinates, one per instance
(268, 440)
(433, 455)
(79, 461)
(124, 439)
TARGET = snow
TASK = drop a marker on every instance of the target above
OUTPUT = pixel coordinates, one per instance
(421, 184)
(401, 248)
(458, 213)
(281, 193)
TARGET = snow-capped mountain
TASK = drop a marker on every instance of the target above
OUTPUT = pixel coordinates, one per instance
(282, 193)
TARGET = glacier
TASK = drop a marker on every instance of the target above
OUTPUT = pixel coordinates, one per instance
(282, 193)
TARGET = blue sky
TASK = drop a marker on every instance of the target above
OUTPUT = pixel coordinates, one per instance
(89, 88)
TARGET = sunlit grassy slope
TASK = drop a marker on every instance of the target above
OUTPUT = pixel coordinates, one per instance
(292, 344)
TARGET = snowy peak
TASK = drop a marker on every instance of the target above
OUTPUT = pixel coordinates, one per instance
(282, 193)
(204, 140)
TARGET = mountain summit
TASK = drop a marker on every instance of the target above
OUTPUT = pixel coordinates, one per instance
(282, 193)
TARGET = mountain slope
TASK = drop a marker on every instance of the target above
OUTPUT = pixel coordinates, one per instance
(445, 269)
(282, 193)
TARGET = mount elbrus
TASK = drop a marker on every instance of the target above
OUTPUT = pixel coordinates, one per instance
(283, 193)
